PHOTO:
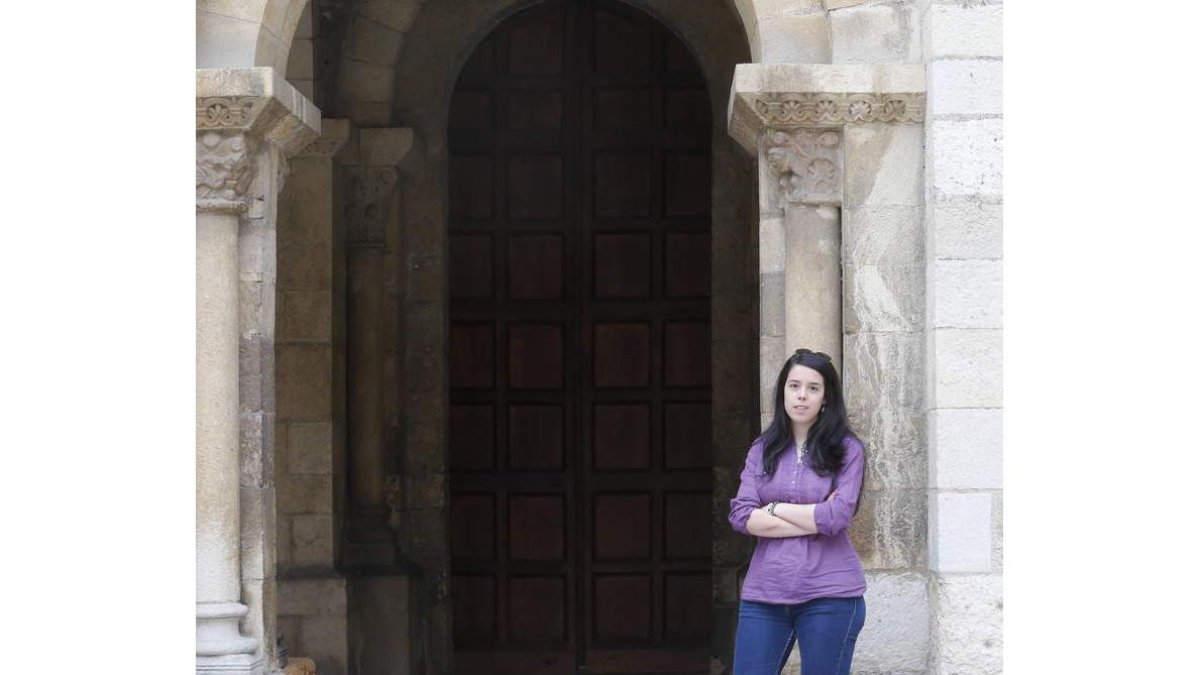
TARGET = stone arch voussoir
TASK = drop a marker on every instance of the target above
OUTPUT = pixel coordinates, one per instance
(786, 31)
(246, 33)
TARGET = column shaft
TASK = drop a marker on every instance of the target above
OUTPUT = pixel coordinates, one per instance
(365, 408)
(813, 275)
(220, 646)
(217, 514)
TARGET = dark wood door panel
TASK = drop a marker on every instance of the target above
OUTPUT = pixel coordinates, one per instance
(580, 404)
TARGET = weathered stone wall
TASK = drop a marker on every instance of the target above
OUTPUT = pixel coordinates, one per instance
(874, 31)
(786, 31)
(832, 31)
(883, 308)
(310, 430)
(257, 401)
(963, 193)
(369, 63)
(921, 296)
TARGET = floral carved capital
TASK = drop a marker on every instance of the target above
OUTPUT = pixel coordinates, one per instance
(227, 112)
(837, 109)
(224, 169)
(258, 102)
(806, 163)
(368, 194)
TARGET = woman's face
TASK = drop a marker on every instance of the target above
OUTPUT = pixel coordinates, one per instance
(803, 394)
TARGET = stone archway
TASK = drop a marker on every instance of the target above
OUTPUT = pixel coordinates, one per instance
(414, 459)
(392, 175)
(579, 371)
(393, 166)
(246, 34)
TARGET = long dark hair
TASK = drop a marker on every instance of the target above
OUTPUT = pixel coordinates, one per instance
(823, 449)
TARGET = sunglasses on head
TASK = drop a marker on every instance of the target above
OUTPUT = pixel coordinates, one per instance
(820, 355)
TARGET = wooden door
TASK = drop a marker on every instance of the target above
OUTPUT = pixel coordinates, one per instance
(580, 444)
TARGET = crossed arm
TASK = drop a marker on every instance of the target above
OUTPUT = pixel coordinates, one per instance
(748, 514)
(790, 520)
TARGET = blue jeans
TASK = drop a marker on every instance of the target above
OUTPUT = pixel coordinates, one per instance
(826, 628)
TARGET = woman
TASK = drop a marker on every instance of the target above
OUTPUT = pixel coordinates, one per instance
(799, 490)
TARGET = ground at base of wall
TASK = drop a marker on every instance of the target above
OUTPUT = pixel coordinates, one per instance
(300, 666)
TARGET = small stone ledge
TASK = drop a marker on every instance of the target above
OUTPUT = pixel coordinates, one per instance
(256, 101)
(805, 95)
(384, 146)
(334, 134)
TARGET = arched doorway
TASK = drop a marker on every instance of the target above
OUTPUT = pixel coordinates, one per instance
(579, 347)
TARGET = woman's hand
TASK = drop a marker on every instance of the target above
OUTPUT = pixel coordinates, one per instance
(799, 516)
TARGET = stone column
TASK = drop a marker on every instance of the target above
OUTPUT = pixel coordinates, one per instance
(840, 157)
(374, 267)
(803, 172)
(378, 592)
(247, 123)
(223, 162)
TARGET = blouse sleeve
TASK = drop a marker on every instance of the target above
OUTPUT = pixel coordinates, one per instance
(833, 515)
(747, 498)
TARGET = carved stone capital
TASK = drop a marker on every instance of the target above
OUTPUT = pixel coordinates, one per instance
(236, 108)
(836, 109)
(784, 97)
(806, 163)
(224, 169)
(258, 102)
(368, 194)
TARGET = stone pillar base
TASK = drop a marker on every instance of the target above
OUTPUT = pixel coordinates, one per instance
(217, 633)
(233, 664)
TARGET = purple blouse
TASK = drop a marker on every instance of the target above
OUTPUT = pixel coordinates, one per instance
(792, 570)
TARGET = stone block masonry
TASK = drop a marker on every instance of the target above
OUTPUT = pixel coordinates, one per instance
(875, 300)
(875, 33)
(964, 196)
(312, 597)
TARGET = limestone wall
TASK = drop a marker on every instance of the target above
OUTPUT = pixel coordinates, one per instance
(367, 69)
(874, 31)
(921, 315)
(920, 229)
(257, 403)
(963, 192)
(310, 429)
(883, 323)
